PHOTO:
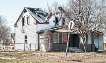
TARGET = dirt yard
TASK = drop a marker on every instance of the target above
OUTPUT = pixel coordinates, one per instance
(51, 57)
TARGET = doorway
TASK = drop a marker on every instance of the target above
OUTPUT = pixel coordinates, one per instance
(74, 40)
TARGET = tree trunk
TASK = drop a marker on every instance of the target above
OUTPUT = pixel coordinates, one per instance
(84, 44)
(85, 49)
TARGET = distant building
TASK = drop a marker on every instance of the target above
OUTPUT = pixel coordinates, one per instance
(8, 44)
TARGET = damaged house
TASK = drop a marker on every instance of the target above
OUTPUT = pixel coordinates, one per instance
(35, 29)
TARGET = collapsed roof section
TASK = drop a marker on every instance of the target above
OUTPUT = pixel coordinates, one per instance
(38, 14)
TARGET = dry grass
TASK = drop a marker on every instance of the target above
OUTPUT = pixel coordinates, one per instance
(51, 57)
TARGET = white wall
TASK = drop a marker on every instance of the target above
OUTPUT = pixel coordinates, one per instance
(48, 26)
(29, 30)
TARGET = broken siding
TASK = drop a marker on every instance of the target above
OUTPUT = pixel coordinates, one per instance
(51, 24)
(38, 14)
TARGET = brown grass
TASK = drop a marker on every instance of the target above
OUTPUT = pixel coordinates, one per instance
(51, 57)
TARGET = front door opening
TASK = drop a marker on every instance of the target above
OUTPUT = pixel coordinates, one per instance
(74, 40)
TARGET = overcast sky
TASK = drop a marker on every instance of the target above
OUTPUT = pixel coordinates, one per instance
(11, 9)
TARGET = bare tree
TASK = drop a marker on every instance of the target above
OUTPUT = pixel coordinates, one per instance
(4, 30)
(88, 17)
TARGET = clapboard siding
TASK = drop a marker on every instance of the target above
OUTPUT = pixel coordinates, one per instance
(29, 30)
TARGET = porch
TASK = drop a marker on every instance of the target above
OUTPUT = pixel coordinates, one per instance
(60, 41)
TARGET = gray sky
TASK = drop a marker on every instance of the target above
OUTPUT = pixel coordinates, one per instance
(11, 9)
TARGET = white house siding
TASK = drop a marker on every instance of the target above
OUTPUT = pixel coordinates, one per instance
(52, 22)
(19, 36)
(29, 30)
(40, 27)
(19, 39)
(48, 26)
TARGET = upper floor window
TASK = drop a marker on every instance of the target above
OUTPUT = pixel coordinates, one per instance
(56, 21)
(63, 21)
(23, 21)
(28, 21)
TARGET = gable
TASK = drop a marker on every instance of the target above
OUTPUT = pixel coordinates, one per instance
(37, 14)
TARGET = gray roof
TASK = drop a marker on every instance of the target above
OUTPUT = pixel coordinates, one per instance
(36, 13)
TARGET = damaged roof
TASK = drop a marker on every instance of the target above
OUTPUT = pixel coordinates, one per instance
(36, 13)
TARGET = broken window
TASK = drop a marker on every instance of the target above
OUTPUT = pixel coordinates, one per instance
(63, 21)
(56, 21)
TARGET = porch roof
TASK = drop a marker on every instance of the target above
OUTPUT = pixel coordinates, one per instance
(64, 30)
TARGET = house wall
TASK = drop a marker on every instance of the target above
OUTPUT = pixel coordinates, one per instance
(52, 21)
(29, 30)
(104, 37)
(19, 36)
(98, 41)
(42, 43)
(51, 24)
(45, 41)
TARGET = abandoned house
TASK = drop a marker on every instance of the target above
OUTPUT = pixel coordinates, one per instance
(35, 29)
